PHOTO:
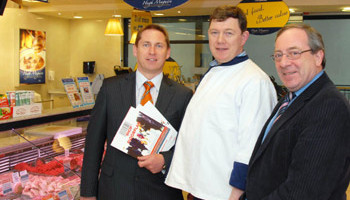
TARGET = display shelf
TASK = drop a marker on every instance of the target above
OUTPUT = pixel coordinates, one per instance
(46, 117)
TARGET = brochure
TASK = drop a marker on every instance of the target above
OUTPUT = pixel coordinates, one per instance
(85, 90)
(140, 134)
(72, 92)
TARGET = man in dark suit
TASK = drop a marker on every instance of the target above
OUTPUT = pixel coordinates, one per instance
(122, 176)
(304, 153)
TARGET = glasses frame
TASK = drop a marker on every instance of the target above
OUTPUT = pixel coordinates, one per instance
(289, 56)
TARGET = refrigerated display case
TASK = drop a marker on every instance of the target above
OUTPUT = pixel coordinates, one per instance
(41, 156)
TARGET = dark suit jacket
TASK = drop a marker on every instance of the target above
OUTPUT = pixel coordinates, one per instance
(306, 154)
(121, 178)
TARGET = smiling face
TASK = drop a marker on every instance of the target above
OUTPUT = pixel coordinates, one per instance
(295, 74)
(226, 39)
(151, 52)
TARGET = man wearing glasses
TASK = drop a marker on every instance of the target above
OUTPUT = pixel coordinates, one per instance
(303, 150)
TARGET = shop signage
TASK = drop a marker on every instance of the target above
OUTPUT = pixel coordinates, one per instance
(265, 16)
(139, 19)
(154, 4)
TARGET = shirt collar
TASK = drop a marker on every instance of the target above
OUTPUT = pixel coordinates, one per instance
(301, 90)
(239, 58)
(140, 79)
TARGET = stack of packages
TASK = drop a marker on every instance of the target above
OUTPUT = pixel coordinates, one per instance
(5, 110)
(14, 98)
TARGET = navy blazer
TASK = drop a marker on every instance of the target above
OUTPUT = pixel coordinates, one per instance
(121, 178)
(306, 154)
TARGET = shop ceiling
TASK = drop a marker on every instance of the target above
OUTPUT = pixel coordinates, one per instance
(102, 9)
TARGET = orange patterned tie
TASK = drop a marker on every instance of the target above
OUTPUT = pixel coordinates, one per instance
(147, 94)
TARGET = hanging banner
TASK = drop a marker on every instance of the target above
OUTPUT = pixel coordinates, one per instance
(265, 16)
(154, 4)
(139, 19)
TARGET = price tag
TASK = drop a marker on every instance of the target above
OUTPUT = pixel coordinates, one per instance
(63, 195)
(15, 177)
(7, 188)
(24, 177)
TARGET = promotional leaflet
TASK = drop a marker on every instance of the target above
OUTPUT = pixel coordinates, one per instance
(85, 90)
(72, 92)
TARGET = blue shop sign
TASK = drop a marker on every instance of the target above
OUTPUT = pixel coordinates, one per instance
(150, 5)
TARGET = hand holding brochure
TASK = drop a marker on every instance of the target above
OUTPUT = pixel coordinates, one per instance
(142, 134)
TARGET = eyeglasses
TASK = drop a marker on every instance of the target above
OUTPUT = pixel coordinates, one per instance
(291, 55)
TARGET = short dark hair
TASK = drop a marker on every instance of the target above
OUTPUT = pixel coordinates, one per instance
(224, 12)
(315, 40)
(154, 27)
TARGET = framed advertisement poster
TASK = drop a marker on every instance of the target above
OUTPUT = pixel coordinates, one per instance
(32, 56)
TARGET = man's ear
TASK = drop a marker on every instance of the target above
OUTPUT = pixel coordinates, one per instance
(168, 53)
(319, 57)
(245, 36)
(134, 50)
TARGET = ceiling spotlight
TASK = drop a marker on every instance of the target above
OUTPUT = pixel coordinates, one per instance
(158, 14)
(77, 17)
(179, 11)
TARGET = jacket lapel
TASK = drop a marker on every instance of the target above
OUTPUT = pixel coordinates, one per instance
(294, 108)
(128, 90)
(166, 93)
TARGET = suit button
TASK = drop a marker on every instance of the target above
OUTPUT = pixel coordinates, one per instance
(137, 178)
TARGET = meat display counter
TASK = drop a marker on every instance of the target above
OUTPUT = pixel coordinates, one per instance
(41, 156)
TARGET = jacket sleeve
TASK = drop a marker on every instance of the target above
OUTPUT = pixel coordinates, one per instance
(94, 146)
(257, 101)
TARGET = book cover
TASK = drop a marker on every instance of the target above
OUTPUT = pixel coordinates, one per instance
(139, 134)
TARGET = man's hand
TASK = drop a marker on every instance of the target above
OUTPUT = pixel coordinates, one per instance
(235, 193)
(154, 163)
(87, 198)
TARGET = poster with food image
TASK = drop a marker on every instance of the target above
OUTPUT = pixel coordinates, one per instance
(32, 55)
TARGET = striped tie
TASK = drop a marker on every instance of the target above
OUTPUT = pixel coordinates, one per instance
(147, 94)
(284, 105)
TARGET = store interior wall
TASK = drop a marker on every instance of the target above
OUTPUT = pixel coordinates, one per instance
(68, 44)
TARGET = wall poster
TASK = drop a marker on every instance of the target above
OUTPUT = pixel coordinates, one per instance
(32, 55)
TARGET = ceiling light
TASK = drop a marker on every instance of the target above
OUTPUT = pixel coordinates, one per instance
(179, 11)
(77, 17)
(291, 10)
(59, 13)
(158, 14)
(114, 28)
(346, 9)
(182, 20)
